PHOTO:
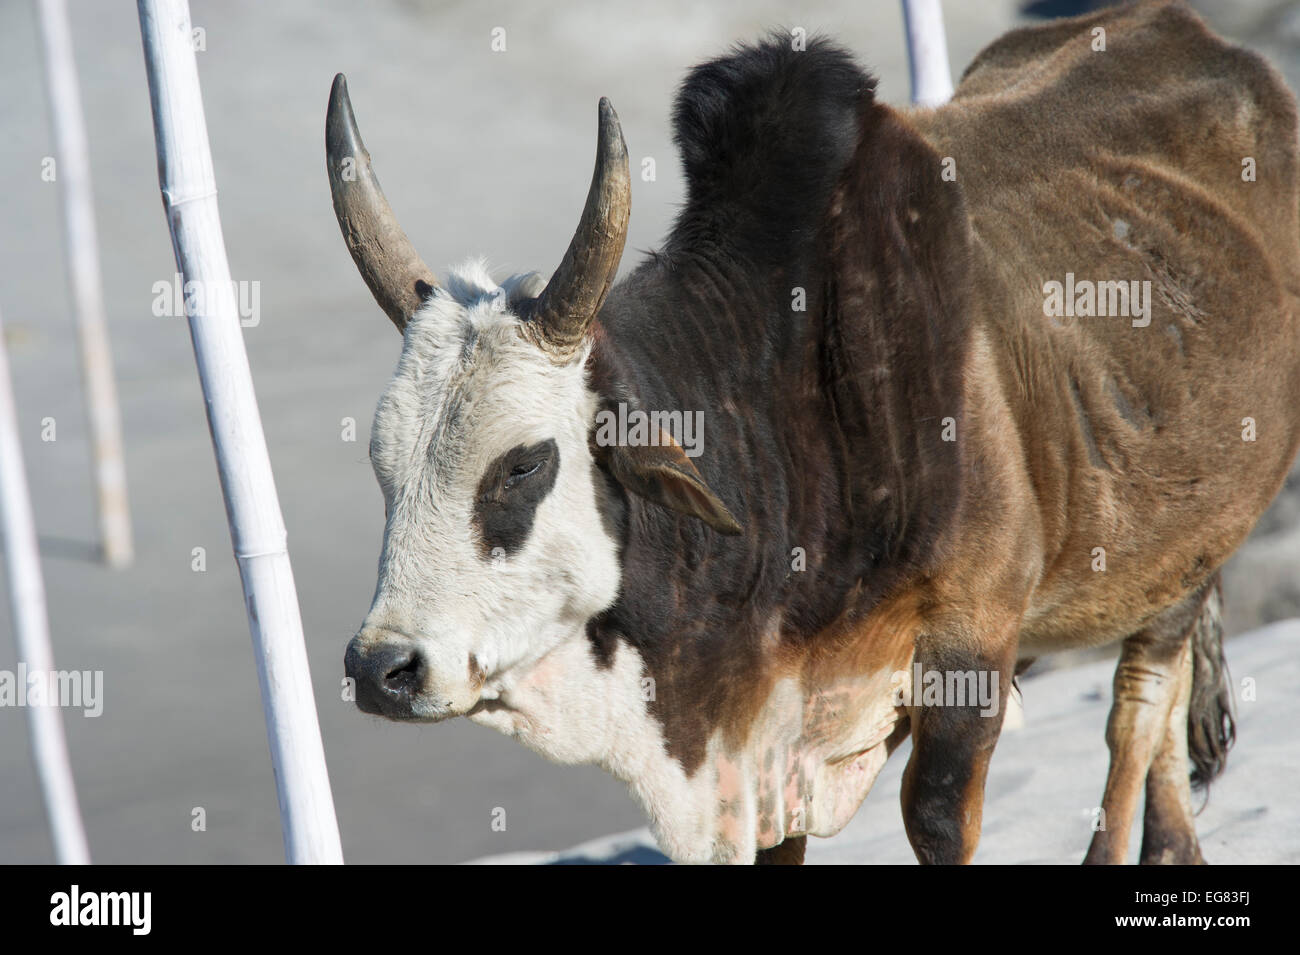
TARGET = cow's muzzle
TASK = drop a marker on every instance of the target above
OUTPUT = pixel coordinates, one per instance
(394, 678)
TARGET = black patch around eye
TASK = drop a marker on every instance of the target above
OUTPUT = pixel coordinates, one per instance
(505, 505)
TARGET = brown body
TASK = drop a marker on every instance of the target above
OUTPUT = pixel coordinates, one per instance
(1131, 438)
(1091, 432)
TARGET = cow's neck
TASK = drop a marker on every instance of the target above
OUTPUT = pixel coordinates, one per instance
(725, 644)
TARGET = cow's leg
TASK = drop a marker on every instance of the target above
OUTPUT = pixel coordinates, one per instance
(789, 852)
(1204, 700)
(943, 785)
(1168, 829)
(1152, 686)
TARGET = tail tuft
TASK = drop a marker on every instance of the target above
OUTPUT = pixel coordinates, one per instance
(1211, 728)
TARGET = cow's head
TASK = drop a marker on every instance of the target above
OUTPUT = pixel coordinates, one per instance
(498, 546)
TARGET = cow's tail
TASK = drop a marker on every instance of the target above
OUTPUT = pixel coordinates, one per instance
(1211, 728)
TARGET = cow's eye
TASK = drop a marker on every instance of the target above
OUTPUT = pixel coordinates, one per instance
(522, 471)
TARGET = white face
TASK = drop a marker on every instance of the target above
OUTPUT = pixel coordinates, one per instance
(494, 549)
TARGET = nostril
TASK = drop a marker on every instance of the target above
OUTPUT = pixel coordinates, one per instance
(402, 672)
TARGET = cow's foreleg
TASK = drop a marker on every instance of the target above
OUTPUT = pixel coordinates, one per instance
(943, 785)
(1152, 686)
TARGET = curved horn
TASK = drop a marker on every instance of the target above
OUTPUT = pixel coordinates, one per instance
(568, 305)
(394, 271)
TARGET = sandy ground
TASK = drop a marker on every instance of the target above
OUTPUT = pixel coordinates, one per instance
(480, 152)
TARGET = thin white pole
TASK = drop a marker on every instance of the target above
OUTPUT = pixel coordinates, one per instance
(189, 192)
(32, 634)
(72, 170)
(927, 50)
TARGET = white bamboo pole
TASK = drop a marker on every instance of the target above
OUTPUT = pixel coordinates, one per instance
(927, 51)
(32, 633)
(189, 193)
(72, 171)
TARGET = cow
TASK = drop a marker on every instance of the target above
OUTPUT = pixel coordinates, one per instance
(977, 383)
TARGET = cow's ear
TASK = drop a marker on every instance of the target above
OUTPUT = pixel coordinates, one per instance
(666, 476)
